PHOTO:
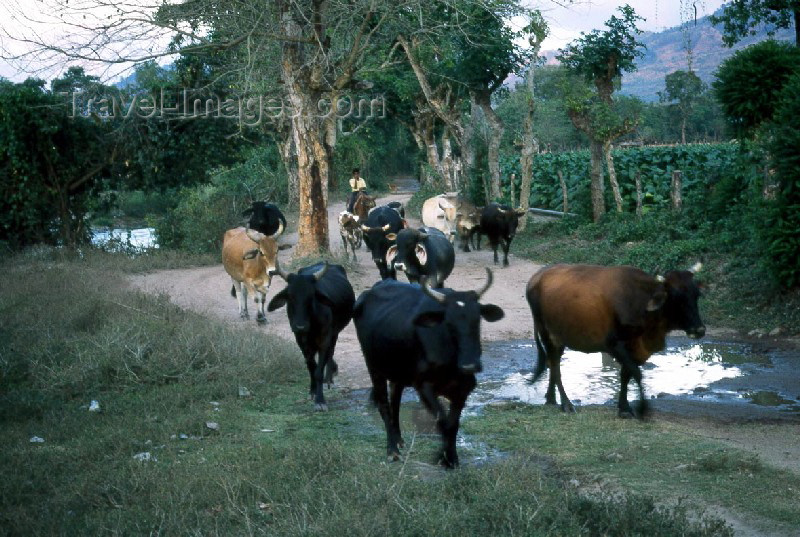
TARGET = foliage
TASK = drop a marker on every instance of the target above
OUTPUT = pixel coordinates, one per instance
(749, 82)
(204, 212)
(602, 56)
(706, 168)
(52, 159)
(782, 231)
(741, 18)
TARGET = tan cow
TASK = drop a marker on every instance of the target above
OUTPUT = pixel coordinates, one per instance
(439, 213)
(468, 219)
(249, 258)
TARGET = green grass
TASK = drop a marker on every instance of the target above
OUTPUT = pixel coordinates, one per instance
(740, 292)
(651, 458)
(70, 333)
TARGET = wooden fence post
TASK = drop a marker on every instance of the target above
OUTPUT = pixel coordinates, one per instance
(677, 201)
(563, 189)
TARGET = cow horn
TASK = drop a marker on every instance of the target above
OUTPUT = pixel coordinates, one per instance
(386, 227)
(422, 235)
(321, 272)
(254, 235)
(487, 285)
(696, 268)
(436, 295)
(365, 228)
(277, 233)
(279, 271)
(660, 278)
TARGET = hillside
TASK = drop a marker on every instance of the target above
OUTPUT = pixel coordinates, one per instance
(665, 53)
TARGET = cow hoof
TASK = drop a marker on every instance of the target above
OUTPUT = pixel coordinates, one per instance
(261, 320)
(321, 407)
(568, 408)
(625, 414)
(393, 457)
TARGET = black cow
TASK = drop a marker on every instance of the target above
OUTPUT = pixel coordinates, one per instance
(266, 218)
(380, 230)
(425, 338)
(423, 252)
(499, 224)
(319, 302)
(397, 206)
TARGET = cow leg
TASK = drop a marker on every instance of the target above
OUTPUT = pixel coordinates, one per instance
(325, 352)
(494, 248)
(447, 456)
(261, 317)
(555, 381)
(478, 241)
(396, 394)
(241, 296)
(506, 243)
(331, 368)
(381, 399)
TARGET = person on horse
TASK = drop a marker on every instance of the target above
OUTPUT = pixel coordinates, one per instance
(357, 184)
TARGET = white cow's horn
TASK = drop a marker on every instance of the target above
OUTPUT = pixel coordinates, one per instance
(436, 295)
(321, 272)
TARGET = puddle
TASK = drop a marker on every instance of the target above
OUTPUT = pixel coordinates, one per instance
(710, 371)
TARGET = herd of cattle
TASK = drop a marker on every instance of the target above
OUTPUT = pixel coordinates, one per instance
(423, 335)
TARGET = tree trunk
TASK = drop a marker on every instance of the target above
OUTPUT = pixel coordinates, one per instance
(638, 180)
(496, 130)
(511, 190)
(308, 134)
(612, 176)
(468, 151)
(675, 191)
(290, 165)
(683, 130)
(598, 202)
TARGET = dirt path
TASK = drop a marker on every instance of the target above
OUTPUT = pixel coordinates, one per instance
(206, 290)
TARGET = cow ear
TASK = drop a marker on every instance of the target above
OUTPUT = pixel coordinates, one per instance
(422, 254)
(284, 246)
(405, 223)
(429, 319)
(491, 313)
(657, 300)
(250, 254)
(391, 253)
(278, 301)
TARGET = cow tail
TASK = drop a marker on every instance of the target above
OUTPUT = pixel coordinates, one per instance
(233, 291)
(541, 357)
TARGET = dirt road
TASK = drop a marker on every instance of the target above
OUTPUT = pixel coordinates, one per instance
(206, 290)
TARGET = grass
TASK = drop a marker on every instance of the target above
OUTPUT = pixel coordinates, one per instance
(652, 458)
(740, 292)
(70, 334)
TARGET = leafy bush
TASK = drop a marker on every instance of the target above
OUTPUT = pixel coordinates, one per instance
(206, 211)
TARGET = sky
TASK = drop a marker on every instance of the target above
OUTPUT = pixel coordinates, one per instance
(566, 23)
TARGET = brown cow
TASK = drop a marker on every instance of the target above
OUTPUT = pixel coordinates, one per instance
(362, 205)
(249, 258)
(619, 310)
(350, 231)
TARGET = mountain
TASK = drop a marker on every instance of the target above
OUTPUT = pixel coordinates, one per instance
(666, 53)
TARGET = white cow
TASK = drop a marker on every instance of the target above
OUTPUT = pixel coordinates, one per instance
(439, 213)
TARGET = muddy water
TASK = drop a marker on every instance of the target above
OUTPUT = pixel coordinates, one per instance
(714, 372)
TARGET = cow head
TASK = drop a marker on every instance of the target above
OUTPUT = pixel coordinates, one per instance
(408, 253)
(374, 236)
(300, 297)
(678, 301)
(266, 248)
(448, 208)
(461, 313)
(265, 218)
(510, 219)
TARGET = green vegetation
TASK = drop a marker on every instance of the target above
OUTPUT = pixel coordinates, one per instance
(273, 465)
(654, 458)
